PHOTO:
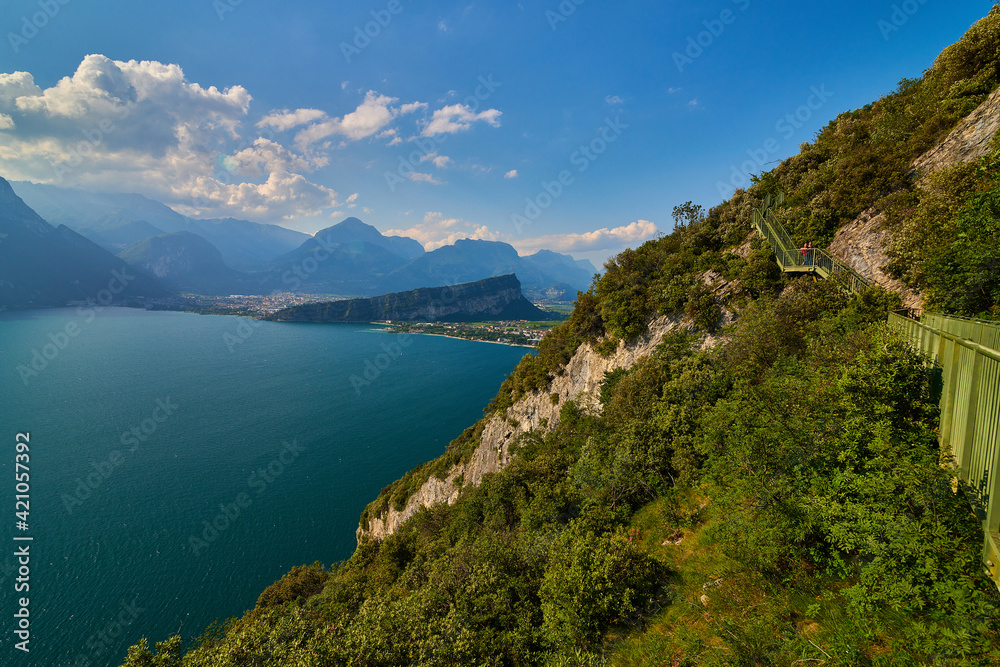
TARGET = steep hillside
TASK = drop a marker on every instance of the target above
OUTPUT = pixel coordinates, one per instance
(652, 489)
(538, 412)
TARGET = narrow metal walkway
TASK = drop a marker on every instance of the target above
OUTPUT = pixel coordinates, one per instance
(965, 351)
(792, 259)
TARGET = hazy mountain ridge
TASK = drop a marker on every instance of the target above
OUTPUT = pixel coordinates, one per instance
(111, 219)
(350, 258)
(41, 265)
(185, 262)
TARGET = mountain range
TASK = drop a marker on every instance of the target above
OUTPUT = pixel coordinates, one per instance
(42, 265)
(175, 253)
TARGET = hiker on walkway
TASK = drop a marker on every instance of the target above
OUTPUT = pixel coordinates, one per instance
(809, 253)
(805, 253)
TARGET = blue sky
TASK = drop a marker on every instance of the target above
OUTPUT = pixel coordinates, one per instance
(449, 119)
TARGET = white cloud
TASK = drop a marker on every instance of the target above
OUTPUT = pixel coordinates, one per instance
(141, 126)
(674, 91)
(282, 192)
(266, 156)
(6, 122)
(413, 106)
(511, 174)
(440, 161)
(418, 177)
(285, 120)
(371, 117)
(458, 118)
(614, 100)
(353, 198)
(600, 239)
(437, 230)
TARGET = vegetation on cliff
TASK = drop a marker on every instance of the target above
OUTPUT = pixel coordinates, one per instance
(779, 499)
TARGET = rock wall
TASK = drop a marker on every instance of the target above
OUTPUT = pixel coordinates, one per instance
(862, 243)
(496, 298)
(969, 141)
(580, 381)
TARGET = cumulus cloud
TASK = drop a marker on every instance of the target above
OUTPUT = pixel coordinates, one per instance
(371, 117)
(266, 156)
(458, 118)
(285, 120)
(141, 126)
(418, 177)
(614, 100)
(282, 191)
(600, 239)
(413, 106)
(437, 230)
(440, 161)
(511, 174)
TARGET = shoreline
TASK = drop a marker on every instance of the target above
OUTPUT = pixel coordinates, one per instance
(471, 340)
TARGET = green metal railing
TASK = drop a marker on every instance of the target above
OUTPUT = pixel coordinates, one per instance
(791, 258)
(970, 409)
(978, 331)
(965, 350)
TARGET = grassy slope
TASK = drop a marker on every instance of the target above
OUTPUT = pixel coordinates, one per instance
(798, 461)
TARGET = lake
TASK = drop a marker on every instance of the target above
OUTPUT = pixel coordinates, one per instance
(181, 463)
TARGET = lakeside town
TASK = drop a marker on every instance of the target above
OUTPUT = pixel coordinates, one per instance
(517, 333)
(514, 332)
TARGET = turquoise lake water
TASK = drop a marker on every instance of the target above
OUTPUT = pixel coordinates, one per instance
(147, 428)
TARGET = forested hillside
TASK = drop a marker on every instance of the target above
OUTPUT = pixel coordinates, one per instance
(777, 498)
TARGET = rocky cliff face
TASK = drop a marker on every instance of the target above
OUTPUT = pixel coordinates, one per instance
(861, 244)
(969, 141)
(580, 381)
(497, 298)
